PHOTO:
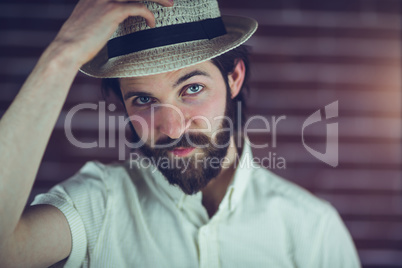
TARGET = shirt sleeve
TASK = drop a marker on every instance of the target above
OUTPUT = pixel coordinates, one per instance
(334, 246)
(82, 200)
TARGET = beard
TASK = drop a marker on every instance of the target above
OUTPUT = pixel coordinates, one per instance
(191, 173)
(194, 172)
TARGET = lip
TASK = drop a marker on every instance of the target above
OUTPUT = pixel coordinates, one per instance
(182, 151)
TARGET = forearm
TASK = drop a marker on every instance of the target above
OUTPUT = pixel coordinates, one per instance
(26, 126)
(25, 129)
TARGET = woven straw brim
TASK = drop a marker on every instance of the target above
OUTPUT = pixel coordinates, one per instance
(172, 57)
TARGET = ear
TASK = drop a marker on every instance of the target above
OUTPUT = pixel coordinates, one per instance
(236, 78)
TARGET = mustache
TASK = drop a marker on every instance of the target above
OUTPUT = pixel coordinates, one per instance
(187, 140)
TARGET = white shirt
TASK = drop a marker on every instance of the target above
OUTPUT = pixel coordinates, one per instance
(128, 217)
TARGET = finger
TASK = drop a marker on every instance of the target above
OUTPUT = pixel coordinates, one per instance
(140, 10)
(147, 15)
(166, 3)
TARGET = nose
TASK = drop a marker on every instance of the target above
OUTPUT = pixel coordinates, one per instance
(171, 121)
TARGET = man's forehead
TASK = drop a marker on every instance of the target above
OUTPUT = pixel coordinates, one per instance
(205, 68)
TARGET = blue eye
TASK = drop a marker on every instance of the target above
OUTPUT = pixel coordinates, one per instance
(142, 100)
(194, 89)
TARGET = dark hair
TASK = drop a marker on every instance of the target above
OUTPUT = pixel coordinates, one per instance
(225, 63)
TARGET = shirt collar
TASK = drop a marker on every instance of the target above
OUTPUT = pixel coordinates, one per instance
(240, 180)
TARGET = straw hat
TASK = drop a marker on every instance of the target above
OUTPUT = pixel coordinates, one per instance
(190, 32)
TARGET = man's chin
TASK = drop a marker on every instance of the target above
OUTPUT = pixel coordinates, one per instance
(190, 181)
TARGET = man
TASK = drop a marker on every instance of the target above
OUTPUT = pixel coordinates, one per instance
(207, 205)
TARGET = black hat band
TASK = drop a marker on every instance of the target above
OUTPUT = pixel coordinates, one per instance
(165, 35)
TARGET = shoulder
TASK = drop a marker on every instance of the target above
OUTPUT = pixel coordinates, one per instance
(89, 188)
(287, 195)
(313, 225)
(93, 178)
(96, 176)
(96, 182)
(304, 215)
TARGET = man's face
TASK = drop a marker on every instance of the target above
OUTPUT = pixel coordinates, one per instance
(184, 120)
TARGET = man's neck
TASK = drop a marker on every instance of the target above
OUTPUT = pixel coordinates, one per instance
(215, 190)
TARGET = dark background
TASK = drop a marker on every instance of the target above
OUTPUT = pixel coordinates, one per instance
(306, 55)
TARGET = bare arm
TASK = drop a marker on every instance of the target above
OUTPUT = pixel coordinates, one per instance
(26, 126)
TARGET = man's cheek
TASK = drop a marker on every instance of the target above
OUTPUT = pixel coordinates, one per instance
(202, 124)
(142, 130)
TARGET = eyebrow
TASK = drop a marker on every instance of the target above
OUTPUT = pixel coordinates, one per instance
(188, 76)
(177, 83)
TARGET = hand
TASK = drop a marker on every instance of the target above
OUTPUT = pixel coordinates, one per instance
(93, 22)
